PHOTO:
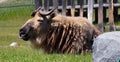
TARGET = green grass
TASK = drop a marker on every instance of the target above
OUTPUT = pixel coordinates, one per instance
(25, 54)
(11, 19)
(16, 2)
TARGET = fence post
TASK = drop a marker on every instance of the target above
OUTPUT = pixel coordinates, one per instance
(81, 7)
(111, 16)
(55, 4)
(38, 3)
(90, 11)
(73, 8)
(100, 16)
(63, 7)
(46, 5)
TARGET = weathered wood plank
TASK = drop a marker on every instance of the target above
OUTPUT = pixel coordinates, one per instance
(100, 16)
(111, 16)
(72, 7)
(90, 11)
(55, 4)
(46, 5)
(38, 3)
(63, 7)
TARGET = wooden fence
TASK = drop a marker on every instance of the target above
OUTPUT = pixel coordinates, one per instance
(86, 8)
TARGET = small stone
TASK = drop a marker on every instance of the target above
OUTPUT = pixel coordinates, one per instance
(14, 44)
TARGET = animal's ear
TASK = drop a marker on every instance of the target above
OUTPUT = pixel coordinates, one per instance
(52, 15)
(33, 14)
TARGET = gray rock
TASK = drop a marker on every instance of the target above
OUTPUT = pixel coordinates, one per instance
(106, 47)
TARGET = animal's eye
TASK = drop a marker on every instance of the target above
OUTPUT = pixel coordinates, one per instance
(40, 21)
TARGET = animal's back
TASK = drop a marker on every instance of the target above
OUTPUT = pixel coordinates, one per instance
(80, 21)
(69, 35)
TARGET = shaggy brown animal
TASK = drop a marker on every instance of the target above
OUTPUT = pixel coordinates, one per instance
(59, 34)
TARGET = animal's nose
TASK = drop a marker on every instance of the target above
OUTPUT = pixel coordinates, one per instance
(21, 32)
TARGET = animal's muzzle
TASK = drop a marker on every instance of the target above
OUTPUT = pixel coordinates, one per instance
(24, 34)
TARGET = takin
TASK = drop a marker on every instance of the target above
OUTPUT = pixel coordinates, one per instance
(55, 33)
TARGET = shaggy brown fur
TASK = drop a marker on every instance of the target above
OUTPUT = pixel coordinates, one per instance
(63, 34)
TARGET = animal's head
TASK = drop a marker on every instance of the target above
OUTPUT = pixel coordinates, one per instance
(37, 25)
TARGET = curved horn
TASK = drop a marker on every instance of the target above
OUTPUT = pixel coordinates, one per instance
(33, 13)
(37, 9)
(46, 13)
